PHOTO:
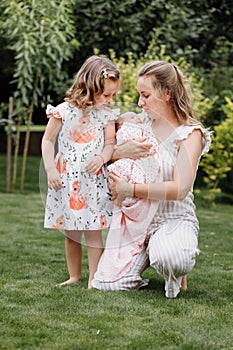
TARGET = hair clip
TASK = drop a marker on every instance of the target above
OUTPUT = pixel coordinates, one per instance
(105, 73)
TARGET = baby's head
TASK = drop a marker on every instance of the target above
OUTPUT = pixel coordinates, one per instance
(129, 117)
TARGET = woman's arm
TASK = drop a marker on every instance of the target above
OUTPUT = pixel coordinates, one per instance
(183, 176)
(47, 147)
(132, 149)
(95, 163)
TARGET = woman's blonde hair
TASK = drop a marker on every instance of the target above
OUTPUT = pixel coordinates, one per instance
(89, 81)
(165, 77)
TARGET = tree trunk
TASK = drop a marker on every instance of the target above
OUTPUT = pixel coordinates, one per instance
(16, 152)
(27, 138)
(26, 146)
(9, 145)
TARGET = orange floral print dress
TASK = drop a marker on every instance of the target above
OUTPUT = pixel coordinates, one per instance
(84, 201)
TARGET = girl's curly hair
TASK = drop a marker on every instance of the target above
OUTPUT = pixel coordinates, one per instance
(89, 81)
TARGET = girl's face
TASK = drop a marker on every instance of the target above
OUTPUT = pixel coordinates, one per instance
(110, 90)
(152, 101)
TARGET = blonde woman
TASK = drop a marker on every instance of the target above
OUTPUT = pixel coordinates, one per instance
(182, 140)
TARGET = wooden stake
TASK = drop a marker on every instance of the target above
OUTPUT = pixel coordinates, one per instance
(9, 145)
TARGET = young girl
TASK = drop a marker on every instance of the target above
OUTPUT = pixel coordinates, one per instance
(78, 198)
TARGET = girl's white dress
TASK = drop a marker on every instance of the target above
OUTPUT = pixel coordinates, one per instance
(84, 202)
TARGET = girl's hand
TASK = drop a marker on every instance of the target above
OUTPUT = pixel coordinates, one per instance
(133, 149)
(54, 179)
(94, 164)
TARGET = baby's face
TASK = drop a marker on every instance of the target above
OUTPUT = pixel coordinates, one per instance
(132, 118)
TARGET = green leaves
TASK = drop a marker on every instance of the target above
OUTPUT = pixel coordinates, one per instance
(219, 161)
(41, 34)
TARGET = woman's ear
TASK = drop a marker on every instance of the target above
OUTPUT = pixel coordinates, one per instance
(167, 95)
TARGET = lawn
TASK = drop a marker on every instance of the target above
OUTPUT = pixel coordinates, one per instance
(35, 314)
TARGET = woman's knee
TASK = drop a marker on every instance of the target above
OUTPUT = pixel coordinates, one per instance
(174, 250)
(176, 260)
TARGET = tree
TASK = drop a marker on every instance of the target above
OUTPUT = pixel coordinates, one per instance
(41, 35)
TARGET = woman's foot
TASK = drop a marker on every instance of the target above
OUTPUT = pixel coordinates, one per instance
(184, 283)
(70, 281)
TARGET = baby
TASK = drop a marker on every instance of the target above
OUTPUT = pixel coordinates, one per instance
(130, 222)
(142, 170)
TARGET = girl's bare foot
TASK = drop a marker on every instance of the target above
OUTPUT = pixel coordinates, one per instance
(89, 284)
(70, 281)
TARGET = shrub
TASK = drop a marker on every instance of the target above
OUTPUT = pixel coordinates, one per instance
(219, 161)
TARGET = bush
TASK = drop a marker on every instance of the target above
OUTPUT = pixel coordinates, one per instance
(219, 161)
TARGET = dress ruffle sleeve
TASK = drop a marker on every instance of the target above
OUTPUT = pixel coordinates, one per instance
(53, 112)
(184, 131)
(115, 114)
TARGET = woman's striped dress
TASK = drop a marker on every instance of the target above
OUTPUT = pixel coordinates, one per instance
(173, 245)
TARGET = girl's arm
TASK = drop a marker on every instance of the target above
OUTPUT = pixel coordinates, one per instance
(183, 176)
(47, 147)
(95, 163)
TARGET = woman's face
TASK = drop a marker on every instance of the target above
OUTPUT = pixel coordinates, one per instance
(152, 101)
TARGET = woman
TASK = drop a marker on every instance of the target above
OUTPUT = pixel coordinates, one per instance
(173, 245)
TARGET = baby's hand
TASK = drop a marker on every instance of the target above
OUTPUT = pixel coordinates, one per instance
(94, 164)
(54, 179)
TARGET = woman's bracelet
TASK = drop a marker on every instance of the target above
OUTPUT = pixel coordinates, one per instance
(134, 190)
(99, 155)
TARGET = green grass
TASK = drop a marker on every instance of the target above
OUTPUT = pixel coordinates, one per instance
(35, 314)
(33, 167)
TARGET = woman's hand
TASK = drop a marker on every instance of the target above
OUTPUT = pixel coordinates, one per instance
(119, 189)
(113, 185)
(132, 149)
